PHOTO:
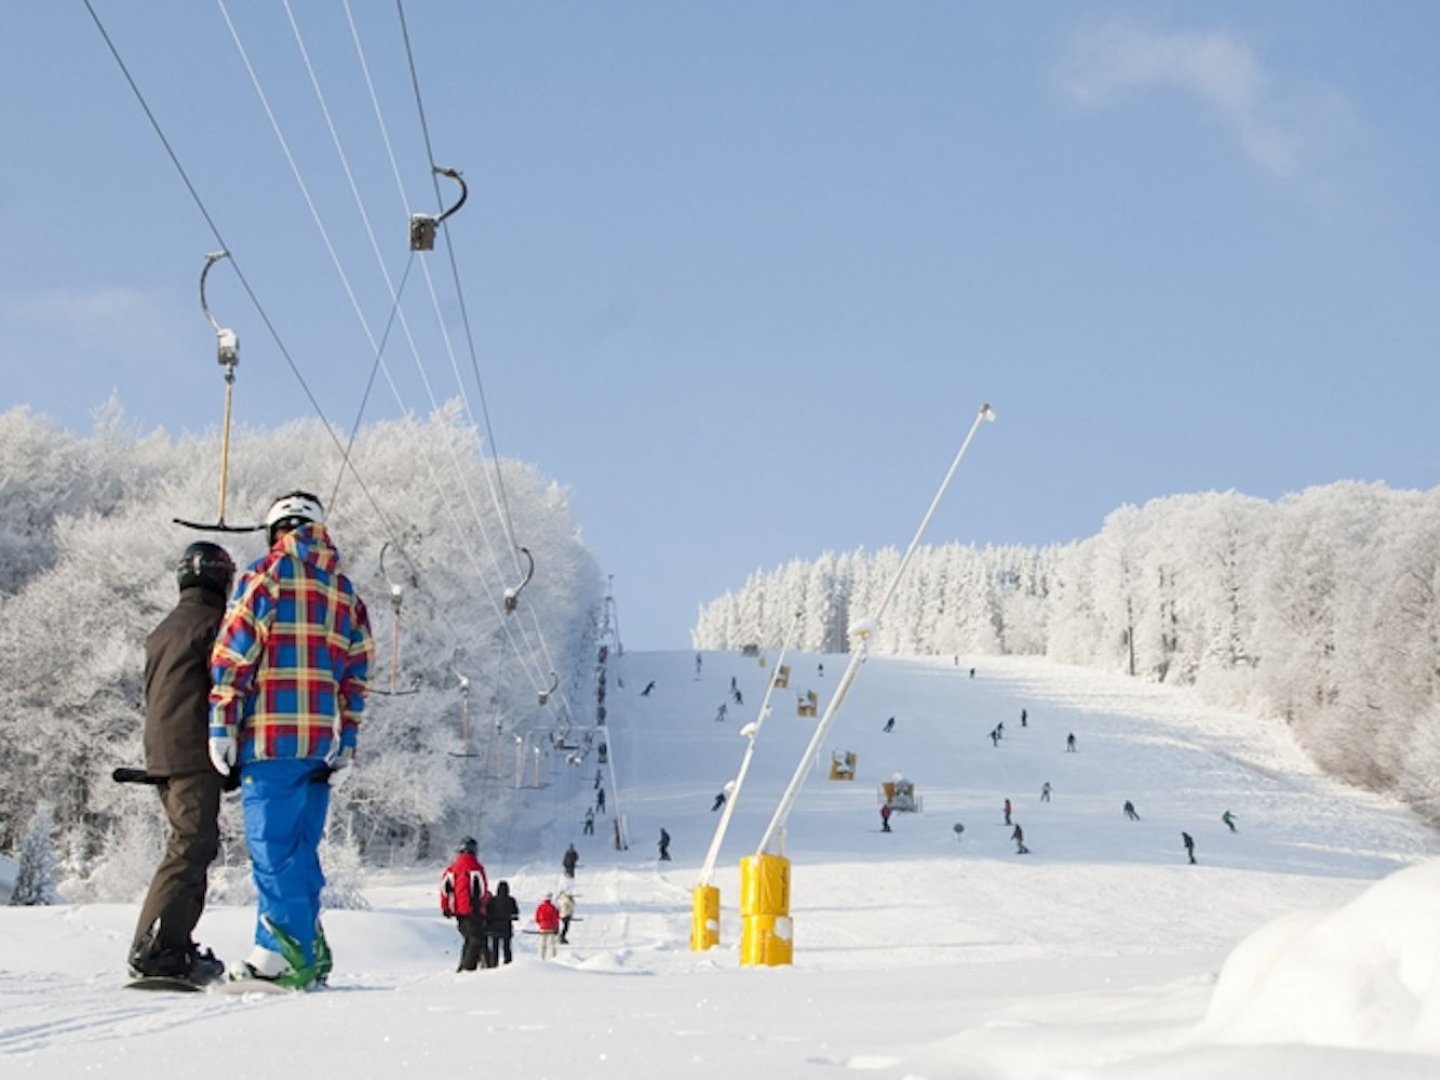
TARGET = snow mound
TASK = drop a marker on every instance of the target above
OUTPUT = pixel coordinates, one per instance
(1363, 976)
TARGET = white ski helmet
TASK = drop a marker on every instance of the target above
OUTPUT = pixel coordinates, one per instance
(291, 511)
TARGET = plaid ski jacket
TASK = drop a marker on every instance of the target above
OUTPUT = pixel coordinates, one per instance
(291, 663)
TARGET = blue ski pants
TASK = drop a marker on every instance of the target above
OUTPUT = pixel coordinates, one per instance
(285, 807)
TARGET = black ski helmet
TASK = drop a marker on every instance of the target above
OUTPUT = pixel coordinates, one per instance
(468, 846)
(291, 511)
(206, 565)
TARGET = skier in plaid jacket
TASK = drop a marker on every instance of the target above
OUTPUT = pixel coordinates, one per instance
(290, 671)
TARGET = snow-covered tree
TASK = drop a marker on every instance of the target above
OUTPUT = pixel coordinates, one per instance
(35, 871)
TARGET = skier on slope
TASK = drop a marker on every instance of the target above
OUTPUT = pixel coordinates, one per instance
(177, 693)
(569, 861)
(1007, 811)
(290, 672)
(885, 812)
(1229, 819)
(547, 921)
(501, 914)
(1130, 811)
(1018, 835)
(464, 893)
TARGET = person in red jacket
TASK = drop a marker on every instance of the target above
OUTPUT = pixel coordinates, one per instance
(547, 921)
(464, 892)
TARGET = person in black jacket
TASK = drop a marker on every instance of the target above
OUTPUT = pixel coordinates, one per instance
(177, 721)
(501, 914)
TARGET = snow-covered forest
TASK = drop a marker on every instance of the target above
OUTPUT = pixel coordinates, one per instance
(426, 524)
(1321, 609)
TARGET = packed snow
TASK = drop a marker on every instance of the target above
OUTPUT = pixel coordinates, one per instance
(1307, 943)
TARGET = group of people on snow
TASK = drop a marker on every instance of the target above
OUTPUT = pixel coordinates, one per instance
(236, 697)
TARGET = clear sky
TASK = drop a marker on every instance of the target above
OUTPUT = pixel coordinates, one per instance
(739, 275)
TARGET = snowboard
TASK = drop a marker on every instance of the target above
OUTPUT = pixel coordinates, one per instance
(171, 983)
(242, 986)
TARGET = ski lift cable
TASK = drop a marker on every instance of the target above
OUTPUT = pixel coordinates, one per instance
(504, 504)
(255, 301)
(375, 247)
(345, 280)
(496, 495)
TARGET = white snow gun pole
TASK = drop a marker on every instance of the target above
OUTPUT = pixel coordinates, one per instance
(765, 878)
(705, 916)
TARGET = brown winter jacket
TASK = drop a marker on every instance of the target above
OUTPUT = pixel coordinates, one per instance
(177, 685)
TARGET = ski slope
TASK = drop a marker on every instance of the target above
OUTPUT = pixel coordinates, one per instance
(916, 954)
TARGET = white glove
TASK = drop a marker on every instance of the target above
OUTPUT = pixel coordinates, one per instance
(343, 767)
(222, 753)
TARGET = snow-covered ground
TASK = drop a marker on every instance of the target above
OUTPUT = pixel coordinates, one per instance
(1305, 944)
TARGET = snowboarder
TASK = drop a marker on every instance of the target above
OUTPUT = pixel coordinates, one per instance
(1229, 819)
(290, 669)
(464, 892)
(1070, 743)
(501, 914)
(1007, 811)
(1018, 835)
(664, 846)
(1130, 811)
(719, 800)
(569, 861)
(889, 725)
(547, 921)
(648, 687)
(1045, 791)
(589, 829)
(177, 697)
(566, 910)
(885, 812)
(1189, 842)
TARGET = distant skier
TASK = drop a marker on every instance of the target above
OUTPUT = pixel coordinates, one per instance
(547, 921)
(1007, 811)
(664, 846)
(569, 861)
(885, 812)
(720, 715)
(648, 687)
(719, 801)
(972, 673)
(566, 910)
(959, 830)
(464, 893)
(994, 737)
(599, 778)
(1000, 729)
(889, 725)
(732, 684)
(589, 821)
(1189, 842)
(1018, 835)
(600, 801)
(1130, 811)
(1229, 819)
(1045, 792)
(739, 700)
(821, 669)
(698, 664)
(1070, 743)
(501, 914)
(1024, 716)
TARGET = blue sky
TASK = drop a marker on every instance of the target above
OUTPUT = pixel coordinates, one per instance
(739, 275)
